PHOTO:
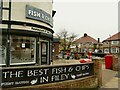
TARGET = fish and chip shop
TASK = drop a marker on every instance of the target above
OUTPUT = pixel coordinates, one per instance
(27, 33)
(26, 48)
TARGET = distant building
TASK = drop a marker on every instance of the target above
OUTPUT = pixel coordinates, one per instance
(56, 43)
(86, 43)
(112, 44)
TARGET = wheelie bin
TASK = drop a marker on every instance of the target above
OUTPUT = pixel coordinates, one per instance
(108, 61)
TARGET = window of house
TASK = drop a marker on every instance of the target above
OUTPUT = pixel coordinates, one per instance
(106, 50)
(22, 50)
(84, 50)
(3, 46)
(114, 50)
(90, 50)
(114, 42)
(106, 43)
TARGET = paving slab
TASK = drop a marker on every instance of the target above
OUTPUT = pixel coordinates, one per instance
(109, 78)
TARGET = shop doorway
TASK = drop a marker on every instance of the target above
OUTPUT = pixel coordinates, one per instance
(44, 50)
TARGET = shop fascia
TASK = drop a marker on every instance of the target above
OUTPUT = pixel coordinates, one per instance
(41, 30)
(38, 14)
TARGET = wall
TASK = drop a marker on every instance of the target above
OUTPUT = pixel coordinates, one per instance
(115, 63)
(98, 70)
(89, 82)
(18, 11)
(94, 81)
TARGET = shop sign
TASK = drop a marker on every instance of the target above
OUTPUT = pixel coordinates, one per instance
(38, 14)
(41, 30)
(17, 77)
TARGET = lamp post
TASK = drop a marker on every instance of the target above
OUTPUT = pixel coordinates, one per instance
(110, 45)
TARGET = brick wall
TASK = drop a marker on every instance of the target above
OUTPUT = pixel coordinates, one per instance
(115, 63)
(56, 49)
(88, 82)
(98, 70)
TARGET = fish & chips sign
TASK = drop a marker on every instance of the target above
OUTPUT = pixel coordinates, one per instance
(38, 14)
(17, 77)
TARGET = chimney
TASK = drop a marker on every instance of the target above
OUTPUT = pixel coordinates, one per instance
(98, 40)
(85, 34)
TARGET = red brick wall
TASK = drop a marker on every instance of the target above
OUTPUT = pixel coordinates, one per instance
(115, 63)
(56, 48)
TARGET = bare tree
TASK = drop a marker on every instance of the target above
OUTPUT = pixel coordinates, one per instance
(66, 39)
(63, 39)
(70, 40)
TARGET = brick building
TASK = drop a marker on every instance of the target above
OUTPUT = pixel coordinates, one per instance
(112, 44)
(87, 43)
(56, 43)
(27, 32)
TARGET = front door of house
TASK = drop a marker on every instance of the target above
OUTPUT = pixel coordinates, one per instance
(44, 53)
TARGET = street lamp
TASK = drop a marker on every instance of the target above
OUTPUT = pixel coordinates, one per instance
(110, 45)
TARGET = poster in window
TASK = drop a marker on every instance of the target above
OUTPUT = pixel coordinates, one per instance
(44, 48)
(23, 45)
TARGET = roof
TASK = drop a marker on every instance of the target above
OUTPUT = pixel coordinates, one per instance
(86, 39)
(113, 37)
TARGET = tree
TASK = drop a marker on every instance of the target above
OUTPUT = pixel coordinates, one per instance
(66, 39)
(70, 40)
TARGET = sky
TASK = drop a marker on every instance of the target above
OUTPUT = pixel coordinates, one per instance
(97, 18)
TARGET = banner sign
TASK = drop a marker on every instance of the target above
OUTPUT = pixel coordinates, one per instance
(17, 77)
(38, 14)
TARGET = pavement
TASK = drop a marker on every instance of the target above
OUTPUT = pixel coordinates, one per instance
(110, 78)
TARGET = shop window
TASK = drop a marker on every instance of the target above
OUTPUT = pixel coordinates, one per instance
(3, 45)
(22, 50)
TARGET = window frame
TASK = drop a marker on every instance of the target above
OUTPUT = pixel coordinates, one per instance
(3, 64)
(114, 50)
(106, 49)
(24, 63)
(114, 42)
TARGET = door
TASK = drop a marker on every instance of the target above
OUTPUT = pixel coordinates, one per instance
(44, 53)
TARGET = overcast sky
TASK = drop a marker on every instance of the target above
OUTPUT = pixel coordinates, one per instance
(97, 18)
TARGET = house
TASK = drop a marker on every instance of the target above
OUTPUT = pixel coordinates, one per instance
(112, 44)
(86, 43)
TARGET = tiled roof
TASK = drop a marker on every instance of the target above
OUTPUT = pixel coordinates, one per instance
(114, 37)
(86, 39)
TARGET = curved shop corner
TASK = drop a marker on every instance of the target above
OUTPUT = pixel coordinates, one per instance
(26, 51)
(27, 33)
